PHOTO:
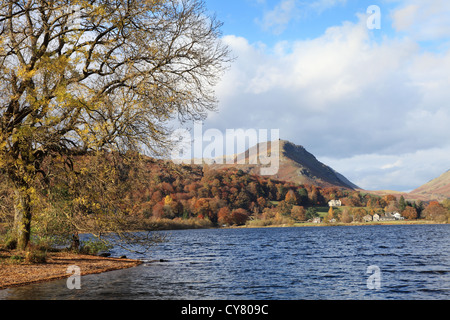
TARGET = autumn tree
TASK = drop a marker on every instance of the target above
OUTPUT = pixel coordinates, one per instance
(410, 213)
(224, 216)
(79, 77)
(358, 214)
(262, 202)
(389, 197)
(330, 215)
(284, 208)
(392, 207)
(242, 200)
(239, 216)
(436, 211)
(346, 217)
(446, 203)
(291, 197)
(298, 213)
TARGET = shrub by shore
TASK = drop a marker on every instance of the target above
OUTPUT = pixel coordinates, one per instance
(17, 270)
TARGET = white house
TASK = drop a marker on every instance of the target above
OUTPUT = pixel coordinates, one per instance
(317, 220)
(335, 203)
(398, 216)
(391, 216)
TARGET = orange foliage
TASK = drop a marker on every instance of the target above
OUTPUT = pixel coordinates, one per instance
(410, 213)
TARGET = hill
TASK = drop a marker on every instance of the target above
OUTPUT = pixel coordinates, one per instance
(296, 165)
(159, 194)
(437, 189)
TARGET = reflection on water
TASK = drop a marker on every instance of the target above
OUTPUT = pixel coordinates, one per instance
(275, 264)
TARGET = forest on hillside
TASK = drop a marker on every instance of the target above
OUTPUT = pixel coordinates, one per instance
(98, 194)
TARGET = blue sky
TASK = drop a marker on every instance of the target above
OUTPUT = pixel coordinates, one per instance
(294, 19)
(372, 104)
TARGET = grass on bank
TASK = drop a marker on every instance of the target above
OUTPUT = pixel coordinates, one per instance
(33, 255)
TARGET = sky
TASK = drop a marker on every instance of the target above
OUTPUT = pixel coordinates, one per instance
(372, 103)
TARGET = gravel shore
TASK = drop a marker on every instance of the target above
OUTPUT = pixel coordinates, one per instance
(55, 267)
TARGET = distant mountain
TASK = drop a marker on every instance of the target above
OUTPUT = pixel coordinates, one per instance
(438, 188)
(296, 165)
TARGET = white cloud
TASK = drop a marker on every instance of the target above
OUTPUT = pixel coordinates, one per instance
(404, 18)
(423, 20)
(405, 172)
(278, 18)
(396, 164)
(346, 98)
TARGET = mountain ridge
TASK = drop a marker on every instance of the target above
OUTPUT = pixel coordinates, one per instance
(296, 165)
(437, 188)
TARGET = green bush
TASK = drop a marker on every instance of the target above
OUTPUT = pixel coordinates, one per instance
(36, 256)
(94, 246)
(16, 259)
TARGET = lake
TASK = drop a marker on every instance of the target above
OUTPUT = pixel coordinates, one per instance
(410, 262)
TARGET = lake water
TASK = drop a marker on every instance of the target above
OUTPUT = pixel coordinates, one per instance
(327, 263)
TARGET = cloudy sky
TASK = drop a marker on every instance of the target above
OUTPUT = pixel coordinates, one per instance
(374, 104)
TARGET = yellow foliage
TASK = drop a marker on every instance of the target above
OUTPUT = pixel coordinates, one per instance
(168, 200)
(75, 89)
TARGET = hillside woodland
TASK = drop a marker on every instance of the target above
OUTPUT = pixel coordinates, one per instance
(110, 193)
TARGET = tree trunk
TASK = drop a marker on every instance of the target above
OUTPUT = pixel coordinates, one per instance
(22, 219)
(75, 246)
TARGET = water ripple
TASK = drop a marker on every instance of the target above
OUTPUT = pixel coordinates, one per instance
(276, 263)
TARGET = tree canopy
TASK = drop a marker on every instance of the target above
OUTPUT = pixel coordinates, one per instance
(84, 76)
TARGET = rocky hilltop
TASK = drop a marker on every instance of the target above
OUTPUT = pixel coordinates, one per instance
(296, 165)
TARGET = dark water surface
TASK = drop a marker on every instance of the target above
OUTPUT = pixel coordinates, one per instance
(326, 263)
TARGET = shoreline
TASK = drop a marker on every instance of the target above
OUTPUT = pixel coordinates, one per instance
(337, 224)
(55, 268)
(377, 223)
(163, 225)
